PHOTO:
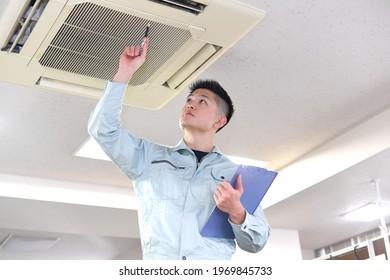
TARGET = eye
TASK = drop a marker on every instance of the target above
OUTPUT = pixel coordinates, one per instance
(203, 101)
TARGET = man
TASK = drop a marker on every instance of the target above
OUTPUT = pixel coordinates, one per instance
(178, 187)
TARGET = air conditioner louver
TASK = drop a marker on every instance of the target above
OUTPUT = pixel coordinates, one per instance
(25, 25)
(92, 38)
(78, 44)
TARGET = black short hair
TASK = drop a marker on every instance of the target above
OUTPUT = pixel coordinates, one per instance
(218, 90)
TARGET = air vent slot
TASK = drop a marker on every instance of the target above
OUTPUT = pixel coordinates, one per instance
(92, 38)
(197, 61)
(25, 25)
(185, 5)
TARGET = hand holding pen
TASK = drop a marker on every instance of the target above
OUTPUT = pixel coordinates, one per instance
(131, 60)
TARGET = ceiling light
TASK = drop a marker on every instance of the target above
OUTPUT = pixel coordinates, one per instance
(91, 149)
(247, 161)
(367, 213)
(27, 243)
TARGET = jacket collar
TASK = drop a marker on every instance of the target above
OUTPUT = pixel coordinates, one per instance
(182, 146)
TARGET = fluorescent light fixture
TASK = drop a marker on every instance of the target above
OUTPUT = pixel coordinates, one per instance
(27, 243)
(247, 161)
(367, 213)
(91, 149)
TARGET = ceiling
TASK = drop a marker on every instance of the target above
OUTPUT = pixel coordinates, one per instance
(311, 86)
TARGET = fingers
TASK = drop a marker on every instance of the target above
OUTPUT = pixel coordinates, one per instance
(137, 50)
(223, 190)
(227, 198)
(226, 192)
(219, 192)
(132, 51)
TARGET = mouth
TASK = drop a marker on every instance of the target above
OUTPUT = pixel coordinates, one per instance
(188, 114)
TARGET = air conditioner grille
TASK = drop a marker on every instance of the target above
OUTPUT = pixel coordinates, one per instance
(92, 38)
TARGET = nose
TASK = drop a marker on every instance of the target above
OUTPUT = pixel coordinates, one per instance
(190, 105)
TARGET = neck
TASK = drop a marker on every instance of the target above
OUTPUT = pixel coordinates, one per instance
(199, 142)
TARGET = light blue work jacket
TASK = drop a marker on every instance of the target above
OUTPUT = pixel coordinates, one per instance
(175, 192)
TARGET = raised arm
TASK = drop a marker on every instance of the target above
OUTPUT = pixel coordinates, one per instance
(104, 124)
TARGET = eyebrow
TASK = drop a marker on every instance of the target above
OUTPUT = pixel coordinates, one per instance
(202, 95)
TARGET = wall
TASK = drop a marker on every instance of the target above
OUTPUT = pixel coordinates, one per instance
(282, 245)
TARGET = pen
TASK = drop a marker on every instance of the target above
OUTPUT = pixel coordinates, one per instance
(145, 36)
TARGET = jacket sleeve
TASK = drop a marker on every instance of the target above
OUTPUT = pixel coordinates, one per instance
(252, 235)
(125, 150)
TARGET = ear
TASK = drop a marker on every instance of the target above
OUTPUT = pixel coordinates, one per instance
(222, 120)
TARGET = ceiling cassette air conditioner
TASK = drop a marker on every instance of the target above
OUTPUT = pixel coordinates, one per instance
(74, 46)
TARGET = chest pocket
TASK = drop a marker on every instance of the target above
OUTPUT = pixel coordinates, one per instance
(220, 175)
(166, 181)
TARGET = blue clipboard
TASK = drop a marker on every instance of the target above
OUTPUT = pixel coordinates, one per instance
(256, 182)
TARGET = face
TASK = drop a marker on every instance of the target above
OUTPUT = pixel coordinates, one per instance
(200, 112)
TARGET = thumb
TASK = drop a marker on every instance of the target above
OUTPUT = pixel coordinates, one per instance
(239, 186)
